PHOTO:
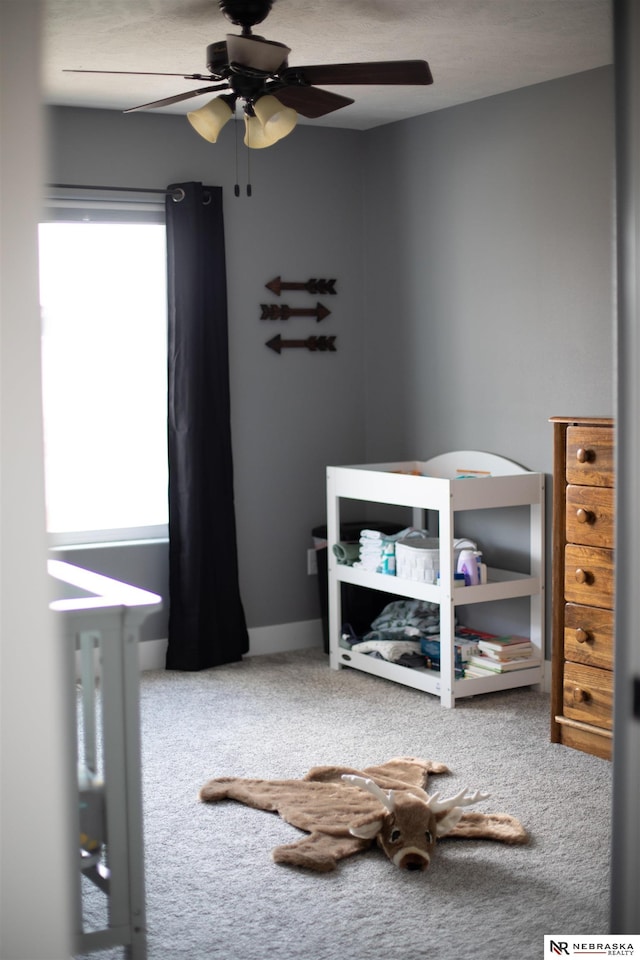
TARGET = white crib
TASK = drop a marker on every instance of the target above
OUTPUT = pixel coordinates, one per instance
(100, 619)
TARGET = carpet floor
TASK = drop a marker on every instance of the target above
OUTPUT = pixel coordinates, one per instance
(214, 892)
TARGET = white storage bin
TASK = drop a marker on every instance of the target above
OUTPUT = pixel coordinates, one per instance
(418, 558)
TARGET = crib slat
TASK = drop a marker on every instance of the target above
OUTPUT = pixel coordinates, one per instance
(88, 640)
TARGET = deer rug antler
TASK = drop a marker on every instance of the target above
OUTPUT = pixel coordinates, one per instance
(343, 811)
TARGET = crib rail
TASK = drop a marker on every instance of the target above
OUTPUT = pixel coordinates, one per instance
(101, 626)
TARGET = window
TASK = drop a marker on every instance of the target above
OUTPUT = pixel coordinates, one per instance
(104, 363)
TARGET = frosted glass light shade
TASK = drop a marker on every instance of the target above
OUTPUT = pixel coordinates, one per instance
(209, 120)
(255, 135)
(277, 120)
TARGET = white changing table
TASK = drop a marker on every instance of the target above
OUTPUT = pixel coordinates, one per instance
(101, 618)
(492, 482)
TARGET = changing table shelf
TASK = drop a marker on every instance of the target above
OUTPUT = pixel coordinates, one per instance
(434, 485)
(501, 585)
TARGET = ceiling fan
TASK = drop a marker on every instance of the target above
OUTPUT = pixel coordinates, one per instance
(256, 72)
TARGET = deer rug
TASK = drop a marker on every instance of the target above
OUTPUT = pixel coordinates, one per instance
(344, 811)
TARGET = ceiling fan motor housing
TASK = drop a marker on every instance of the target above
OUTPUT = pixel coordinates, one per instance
(245, 13)
(217, 59)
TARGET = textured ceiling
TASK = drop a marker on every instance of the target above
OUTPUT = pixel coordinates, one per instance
(475, 48)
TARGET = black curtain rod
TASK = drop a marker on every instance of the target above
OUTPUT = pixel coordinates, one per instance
(177, 193)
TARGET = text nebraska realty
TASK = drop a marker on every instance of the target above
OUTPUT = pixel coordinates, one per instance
(609, 949)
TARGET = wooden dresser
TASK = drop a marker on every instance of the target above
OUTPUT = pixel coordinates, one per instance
(583, 584)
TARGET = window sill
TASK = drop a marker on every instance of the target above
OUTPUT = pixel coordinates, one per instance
(100, 545)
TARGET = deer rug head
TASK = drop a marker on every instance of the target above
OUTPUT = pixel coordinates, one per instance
(343, 811)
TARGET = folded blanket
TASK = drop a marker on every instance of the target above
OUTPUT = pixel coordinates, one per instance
(392, 650)
(405, 618)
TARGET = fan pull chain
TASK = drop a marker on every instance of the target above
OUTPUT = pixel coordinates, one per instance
(236, 188)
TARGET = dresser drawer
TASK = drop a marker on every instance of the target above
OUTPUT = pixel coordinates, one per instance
(590, 456)
(588, 635)
(589, 515)
(588, 695)
(589, 575)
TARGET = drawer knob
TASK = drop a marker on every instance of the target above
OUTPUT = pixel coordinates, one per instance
(584, 456)
(584, 516)
(582, 636)
(580, 695)
(583, 576)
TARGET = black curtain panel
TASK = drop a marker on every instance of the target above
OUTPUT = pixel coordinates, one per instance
(206, 619)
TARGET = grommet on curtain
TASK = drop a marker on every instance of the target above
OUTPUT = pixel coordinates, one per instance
(178, 195)
(206, 198)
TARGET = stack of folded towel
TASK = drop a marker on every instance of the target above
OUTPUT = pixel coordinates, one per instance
(372, 550)
(378, 550)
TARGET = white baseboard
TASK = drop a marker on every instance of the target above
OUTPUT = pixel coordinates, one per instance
(279, 638)
(152, 654)
(285, 636)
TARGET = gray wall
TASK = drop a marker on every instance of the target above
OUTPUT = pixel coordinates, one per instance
(488, 287)
(473, 250)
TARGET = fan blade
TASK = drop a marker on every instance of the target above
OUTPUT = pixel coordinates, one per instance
(380, 72)
(146, 73)
(311, 102)
(178, 97)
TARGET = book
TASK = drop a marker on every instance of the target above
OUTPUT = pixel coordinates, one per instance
(503, 643)
(524, 655)
(471, 672)
(511, 652)
(466, 633)
(502, 666)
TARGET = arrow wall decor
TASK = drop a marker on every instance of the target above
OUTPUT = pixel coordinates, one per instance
(275, 311)
(311, 343)
(318, 288)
